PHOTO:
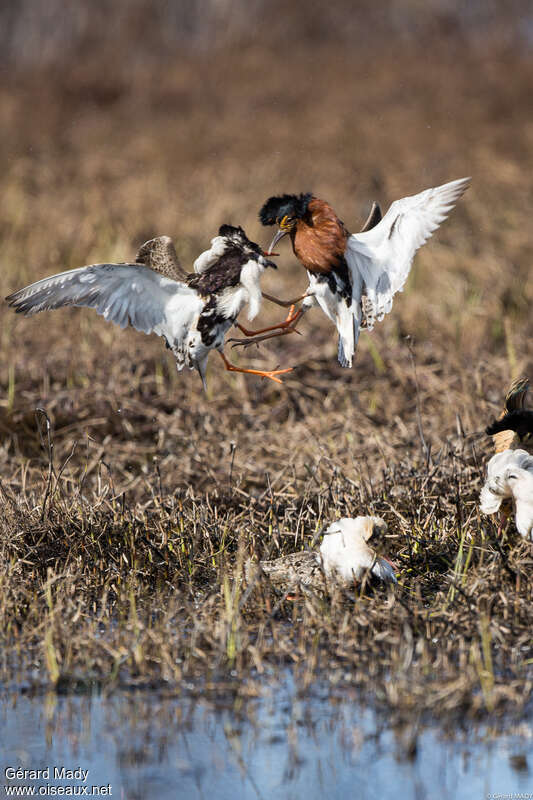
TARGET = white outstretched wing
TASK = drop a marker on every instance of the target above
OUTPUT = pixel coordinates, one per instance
(380, 259)
(126, 294)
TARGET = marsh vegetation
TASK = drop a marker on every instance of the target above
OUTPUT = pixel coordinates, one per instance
(131, 501)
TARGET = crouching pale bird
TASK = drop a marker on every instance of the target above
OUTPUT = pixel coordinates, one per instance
(347, 556)
(344, 556)
(354, 277)
(509, 482)
(192, 312)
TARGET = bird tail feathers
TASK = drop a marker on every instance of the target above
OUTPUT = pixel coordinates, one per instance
(348, 328)
(384, 571)
(343, 361)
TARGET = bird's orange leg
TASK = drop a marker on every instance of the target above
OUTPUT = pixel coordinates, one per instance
(283, 329)
(504, 518)
(287, 322)
(262, 373)
(284, 303)
(264, 337)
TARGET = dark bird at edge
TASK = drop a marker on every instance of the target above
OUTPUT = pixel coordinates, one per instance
(521, 422)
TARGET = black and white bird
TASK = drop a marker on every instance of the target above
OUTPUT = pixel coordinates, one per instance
(192, 312)
(354, 277)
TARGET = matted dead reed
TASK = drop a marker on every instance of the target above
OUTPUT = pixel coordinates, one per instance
(110, 579)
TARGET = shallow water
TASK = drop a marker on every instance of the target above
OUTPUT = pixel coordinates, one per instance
(139, 746)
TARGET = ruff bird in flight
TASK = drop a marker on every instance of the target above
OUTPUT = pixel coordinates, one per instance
(354, 277)
(509, 482)
(192, 312)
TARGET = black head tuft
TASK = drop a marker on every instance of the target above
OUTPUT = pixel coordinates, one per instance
(292, 205)
(233, 232)
(237, 238)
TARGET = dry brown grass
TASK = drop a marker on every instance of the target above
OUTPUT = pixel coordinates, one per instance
(131, 569)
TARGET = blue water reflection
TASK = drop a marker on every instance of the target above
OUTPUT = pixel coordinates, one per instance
(145, 746)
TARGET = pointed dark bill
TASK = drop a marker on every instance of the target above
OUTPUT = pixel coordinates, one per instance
(279, 235)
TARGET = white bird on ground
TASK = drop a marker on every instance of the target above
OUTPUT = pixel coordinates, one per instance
(344, 556)
(354, 277)
(154, 295)
(347, 556)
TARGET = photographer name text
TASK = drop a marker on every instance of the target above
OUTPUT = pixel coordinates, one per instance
(57, 773)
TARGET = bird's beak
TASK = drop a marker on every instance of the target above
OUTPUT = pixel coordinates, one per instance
(279, 235)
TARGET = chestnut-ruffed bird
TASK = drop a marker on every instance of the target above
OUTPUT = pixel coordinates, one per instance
(353, 277)
(154, 295)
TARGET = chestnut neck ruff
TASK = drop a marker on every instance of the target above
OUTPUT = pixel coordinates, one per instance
(319, 238)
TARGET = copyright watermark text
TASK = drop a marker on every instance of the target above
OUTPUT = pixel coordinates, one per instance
(21, 782)
(509, 796)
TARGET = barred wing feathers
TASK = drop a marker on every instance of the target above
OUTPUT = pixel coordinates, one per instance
(126, 294)
(381, 258)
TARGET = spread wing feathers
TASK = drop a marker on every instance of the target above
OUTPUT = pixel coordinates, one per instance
(381, 257)
(160, 255)
(373, 218)
(126, 294)
(516, 396)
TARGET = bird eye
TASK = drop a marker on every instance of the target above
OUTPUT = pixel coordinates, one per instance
(286, 222)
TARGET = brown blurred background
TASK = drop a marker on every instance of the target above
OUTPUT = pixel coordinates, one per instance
(123, 120)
